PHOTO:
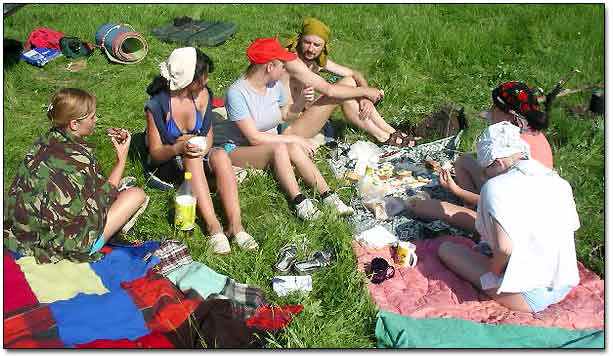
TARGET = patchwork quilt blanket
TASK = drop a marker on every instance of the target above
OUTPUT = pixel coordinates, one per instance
(125, 301)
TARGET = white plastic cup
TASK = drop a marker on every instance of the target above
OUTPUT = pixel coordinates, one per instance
(199, 141)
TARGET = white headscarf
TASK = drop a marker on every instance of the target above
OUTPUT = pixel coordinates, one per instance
(498, 141)
(180, 67)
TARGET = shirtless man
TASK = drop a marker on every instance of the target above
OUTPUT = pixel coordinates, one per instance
(311, 46)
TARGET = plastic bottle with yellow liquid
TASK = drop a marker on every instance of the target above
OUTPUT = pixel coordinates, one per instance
(185, 205)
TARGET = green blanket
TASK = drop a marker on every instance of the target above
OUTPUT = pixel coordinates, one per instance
(399, 331)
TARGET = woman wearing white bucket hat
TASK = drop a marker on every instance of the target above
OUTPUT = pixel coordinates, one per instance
(527, 215)
(179, 109)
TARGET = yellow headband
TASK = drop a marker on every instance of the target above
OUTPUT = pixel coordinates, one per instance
(312, 26)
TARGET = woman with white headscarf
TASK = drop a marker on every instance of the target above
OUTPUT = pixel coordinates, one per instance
(180, 108)
(527, 215)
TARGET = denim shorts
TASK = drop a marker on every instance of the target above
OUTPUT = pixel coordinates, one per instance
(540, 298)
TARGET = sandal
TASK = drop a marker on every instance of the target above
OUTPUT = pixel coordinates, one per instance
(287, 256)
(400, 139)
(318, 260)
(246, 241)
(220, 243)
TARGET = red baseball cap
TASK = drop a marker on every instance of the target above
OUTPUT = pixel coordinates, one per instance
(264, 50)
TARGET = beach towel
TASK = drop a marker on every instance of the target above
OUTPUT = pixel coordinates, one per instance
(430, 290)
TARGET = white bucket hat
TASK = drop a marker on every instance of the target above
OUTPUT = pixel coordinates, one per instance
(498, 141)
(180, 67)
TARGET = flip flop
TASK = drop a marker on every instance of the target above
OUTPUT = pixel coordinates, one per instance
(246, 241)
(220, 243)
(318, 260)
(287, 256)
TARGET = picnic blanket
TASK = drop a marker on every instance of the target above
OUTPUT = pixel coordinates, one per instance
(431, 291)
(122, 301)
(405, 226)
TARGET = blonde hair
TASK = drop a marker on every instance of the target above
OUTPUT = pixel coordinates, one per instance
(70, 104)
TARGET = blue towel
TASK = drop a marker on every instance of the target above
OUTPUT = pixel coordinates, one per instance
(88, 317)
(125, 264)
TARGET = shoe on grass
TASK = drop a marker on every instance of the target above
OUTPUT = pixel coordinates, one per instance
(307, 210)
(220, 243)
(335, 202)
(285, 259)
(246, 241)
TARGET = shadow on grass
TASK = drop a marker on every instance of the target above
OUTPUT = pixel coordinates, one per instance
(12, 50)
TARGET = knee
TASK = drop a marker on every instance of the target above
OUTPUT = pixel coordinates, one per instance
(280, 150)
(219, 158)
(136, 195)
(445, 250)
(293, 149)
(463, 161)
(349, 81)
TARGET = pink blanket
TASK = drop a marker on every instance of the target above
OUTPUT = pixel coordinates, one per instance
(430, 290)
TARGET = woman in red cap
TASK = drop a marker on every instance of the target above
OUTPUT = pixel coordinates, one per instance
(256, 104)
(513, 102)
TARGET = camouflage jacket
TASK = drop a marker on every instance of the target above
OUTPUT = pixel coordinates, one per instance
(57, 205)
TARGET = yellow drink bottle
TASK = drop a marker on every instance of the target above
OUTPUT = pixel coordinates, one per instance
(185, 205)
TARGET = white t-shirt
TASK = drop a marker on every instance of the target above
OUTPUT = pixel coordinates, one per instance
(536, 209)
(243, 102)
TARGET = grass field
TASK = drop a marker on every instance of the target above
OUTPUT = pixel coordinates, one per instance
(422, 56)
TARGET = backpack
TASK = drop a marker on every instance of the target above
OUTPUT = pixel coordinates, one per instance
(43, 37)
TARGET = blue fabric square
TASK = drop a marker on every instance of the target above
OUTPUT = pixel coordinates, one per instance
(124, 264)
(87, 317)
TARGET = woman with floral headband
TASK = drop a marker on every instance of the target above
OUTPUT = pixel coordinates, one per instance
(60, 206)
(513, 102)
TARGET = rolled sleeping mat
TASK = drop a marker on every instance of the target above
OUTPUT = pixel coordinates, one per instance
(121, 43)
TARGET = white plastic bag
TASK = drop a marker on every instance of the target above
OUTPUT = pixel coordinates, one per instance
(366, 153)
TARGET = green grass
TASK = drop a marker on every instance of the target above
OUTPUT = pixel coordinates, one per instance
(422, 56)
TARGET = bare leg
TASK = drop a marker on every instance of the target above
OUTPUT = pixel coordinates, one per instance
(471, 265)
(122, 209)
(455, 215)
(468, 173)
(307, 169)
(310, 122)
(263, 156)
(227, 188)
(374, 125)
(200, 189)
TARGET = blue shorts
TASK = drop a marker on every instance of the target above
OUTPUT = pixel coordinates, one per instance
(540, 298)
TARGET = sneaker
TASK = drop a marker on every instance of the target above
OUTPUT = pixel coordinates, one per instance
(306, 210)
(334, 201)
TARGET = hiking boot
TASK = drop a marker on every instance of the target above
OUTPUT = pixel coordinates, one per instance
(306, 210)
(334, 201)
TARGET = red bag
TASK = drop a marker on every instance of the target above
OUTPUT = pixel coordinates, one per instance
(43, 37)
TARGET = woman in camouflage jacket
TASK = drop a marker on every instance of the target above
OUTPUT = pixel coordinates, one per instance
(60, 203)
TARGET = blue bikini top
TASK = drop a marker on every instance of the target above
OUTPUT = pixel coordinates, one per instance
(159, 106)
(173, 130)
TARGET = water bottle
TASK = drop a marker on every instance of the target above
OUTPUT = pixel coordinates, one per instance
(185, 205)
